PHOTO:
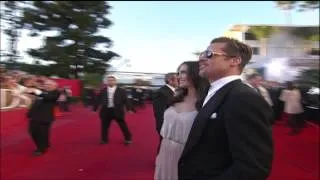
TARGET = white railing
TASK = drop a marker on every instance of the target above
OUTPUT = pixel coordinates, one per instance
(14, 100)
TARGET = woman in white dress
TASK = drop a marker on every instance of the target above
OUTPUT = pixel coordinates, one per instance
(293, 107)
(178, 120)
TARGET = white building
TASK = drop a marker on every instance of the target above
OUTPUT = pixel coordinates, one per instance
(282, 54)
(155, 79)
(281, 43)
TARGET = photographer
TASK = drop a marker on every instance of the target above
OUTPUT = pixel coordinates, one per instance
(41, 114)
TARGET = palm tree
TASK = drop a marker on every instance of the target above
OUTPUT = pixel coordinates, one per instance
(197, 53)
(300, 5)
(309, 77)
(307, 34)
(262, 33)
(287, 6)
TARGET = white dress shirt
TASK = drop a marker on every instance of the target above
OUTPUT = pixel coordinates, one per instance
(218, 84)
(172, 88)
(37, 92)
(111, 91)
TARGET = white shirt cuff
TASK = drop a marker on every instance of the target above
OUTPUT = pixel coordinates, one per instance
(37, 92)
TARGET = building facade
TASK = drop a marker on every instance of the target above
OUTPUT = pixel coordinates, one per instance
(281, 43)
(282, 55)
(154, 79)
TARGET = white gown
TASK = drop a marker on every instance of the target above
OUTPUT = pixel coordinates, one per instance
(175, 130)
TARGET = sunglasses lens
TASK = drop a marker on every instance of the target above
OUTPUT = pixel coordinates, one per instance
(208, 54)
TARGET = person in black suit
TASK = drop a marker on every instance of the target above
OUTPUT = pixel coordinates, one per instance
(231, 138)
(89, 96)
(41, 115)
(275, 91)
(113, 100)
(161, 99)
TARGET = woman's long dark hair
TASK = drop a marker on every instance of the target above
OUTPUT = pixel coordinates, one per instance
(199, 83)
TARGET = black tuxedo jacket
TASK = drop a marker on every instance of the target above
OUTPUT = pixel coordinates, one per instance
(160, 101)
(120, 101)
(42, 109)
(231, 137)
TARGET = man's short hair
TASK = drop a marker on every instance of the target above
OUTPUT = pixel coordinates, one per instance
(253, 75)
(233, 47)
(169, 76)
(113, 77)
(26, 78)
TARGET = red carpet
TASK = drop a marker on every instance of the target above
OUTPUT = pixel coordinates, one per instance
(76, 153)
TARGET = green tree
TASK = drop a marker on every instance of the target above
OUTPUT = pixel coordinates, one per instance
(307, 34)
(197, 53)
(11, 16)
(262, 33)
(300, 5)
(309, 77)
(76, 46)
(36, 69)
(92, 79)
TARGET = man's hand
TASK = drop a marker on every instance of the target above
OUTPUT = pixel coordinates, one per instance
(29, 90)
(131, 112)
(33, 90)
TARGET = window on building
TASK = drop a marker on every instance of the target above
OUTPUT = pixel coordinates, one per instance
(255, 50)
(250, 36)
(314, 52)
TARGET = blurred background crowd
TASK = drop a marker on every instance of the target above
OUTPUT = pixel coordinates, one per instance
(14, 84)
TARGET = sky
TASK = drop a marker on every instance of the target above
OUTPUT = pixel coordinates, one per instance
(157, 36)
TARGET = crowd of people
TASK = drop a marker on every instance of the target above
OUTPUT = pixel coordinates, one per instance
(216, 126)
(14, 85)
(41, 95)
(14, 82)
(137, 95)
(211, 123)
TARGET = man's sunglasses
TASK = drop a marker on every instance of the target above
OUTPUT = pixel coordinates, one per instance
(207, 54)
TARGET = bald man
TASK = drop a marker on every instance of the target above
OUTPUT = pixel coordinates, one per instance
(41, 115)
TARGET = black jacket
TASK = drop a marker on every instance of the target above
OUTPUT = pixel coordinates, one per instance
(160, 100)
(120, 101)
(42, 109)
(231, 138)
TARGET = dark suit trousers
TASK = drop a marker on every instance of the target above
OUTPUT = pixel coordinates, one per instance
(64, 106)
(106, 121)
(39, 133)
(296, 122)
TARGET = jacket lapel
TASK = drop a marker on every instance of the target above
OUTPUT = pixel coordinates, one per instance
(170, 92)
(202, 97)
(105, 97)
(115, 95)
(204, 113)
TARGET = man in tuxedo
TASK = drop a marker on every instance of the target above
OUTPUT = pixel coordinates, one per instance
(113, 101)
(254, 81)
(231, 136)
(89, 96)
(161, 99)
(41, 115)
